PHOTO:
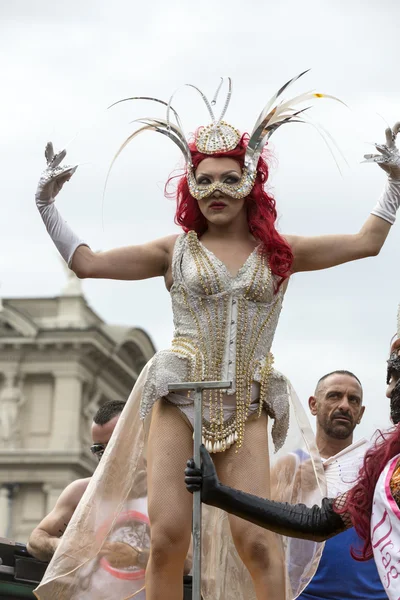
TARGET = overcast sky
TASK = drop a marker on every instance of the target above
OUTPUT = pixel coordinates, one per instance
(62, 64)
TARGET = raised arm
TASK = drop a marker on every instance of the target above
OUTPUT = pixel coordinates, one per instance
(132, 262)
(322, 252)
(294, 520)
(45, 538)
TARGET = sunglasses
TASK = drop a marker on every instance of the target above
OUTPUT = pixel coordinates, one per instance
(98, 450)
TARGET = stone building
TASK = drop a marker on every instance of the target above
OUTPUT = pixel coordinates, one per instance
(59, 362)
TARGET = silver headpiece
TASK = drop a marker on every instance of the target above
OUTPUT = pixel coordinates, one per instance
(220, 137)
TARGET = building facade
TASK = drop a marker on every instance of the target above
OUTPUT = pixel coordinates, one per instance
(59, 362)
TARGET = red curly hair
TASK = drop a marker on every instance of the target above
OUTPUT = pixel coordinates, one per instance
(261, 210)
(360, 498)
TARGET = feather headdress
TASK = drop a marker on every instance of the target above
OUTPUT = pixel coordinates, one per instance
(219, 136)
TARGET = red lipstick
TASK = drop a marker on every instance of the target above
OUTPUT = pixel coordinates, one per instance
(217, 205)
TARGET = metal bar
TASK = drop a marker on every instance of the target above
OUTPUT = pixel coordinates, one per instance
(202, 385)
(198, 387)
(196, 525)
(6, 570)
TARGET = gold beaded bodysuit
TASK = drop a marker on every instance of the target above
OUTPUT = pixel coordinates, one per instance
(224, 327)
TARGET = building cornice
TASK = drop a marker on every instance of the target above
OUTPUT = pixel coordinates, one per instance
(44, 460)
(82, 341)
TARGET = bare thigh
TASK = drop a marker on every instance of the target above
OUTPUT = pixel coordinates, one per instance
(169, 446)
(248, 470)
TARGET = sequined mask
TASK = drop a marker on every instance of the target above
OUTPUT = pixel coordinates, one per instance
(238, 190)
(220, 137)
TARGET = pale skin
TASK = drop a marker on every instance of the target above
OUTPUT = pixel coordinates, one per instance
(228, 237)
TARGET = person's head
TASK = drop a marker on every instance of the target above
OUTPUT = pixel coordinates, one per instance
(393, 381)
(257, 208)
(337, 404)
(104, 422)
(218, 139)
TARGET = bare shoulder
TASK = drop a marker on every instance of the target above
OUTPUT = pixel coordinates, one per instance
(169, 242)
(58, 518)
(73, 493)
(164, 245)
(286, 462)
(290, 239)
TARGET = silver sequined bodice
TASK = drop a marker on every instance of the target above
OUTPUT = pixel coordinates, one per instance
(224, 325)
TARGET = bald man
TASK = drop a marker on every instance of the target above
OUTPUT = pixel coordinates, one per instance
(337, 404)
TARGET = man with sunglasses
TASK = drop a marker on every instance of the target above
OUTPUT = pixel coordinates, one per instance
(45, 538)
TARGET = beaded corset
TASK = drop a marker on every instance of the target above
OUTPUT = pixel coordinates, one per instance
(224, 328)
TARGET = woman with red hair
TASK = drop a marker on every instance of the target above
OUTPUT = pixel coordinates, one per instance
(227, 274)
(372, 506)
(260, 209)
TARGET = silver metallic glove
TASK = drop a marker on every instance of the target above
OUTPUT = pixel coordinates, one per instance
(389, 161)
(50, 183)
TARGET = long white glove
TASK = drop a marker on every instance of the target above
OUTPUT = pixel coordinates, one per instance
(389, 161)
(50, 183)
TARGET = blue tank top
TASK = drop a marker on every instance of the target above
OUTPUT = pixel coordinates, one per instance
(340, 577)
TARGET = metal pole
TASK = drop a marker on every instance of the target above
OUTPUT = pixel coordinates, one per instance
(196, 524)
(198, 387)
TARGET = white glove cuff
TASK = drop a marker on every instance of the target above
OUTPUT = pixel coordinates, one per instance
(389, 201)
(60, 232)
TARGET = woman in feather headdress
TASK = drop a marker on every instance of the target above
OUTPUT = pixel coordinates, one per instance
(227, 275)
(372, 506)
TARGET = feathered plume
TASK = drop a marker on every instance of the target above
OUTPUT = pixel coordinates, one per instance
(276, 114)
